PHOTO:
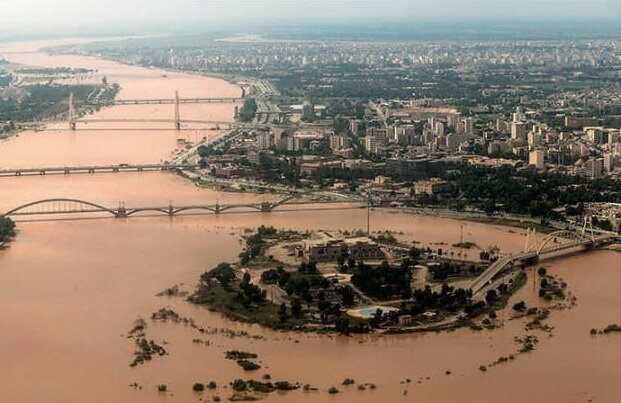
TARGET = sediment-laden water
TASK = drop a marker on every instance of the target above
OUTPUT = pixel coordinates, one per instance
(70, 289)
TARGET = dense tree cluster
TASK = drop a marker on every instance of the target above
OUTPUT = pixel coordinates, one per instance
(7, 228)
(449, 299)
(248, 110)
(223, 272)
(444, 270)
(520, 191)
(254, 246)
(247, 293)
(384, 281)
(528, 191)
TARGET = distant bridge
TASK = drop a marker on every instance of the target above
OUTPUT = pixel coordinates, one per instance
(63, 206)
(553, 244)
(73, 118)
(95, 169)
(165, 101)
(178, 123)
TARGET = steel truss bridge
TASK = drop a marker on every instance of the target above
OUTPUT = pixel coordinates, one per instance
(95, 169)
(552, 245)
(68, 206)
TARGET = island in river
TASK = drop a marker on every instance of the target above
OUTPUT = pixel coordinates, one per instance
(326, 281)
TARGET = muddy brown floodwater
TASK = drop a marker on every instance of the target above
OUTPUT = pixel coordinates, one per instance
(70, 289)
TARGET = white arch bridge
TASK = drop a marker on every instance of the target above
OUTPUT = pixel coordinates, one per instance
(69, 206)
(553, 244)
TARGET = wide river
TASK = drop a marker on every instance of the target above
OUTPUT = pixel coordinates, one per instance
(70, 289)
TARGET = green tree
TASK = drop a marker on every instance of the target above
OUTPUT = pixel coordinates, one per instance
(296, 307)
(341, 325)
(282, 313)
(491, 296)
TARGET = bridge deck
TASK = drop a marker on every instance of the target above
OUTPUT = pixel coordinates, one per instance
(504, 263)
(93, 168)
(165, 101)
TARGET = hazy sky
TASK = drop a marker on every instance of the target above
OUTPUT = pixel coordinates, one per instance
(19, 16)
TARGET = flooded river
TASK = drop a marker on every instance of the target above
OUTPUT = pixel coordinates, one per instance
(70, 289)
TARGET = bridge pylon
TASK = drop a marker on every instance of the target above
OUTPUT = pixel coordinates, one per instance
(73, 117)
(177, 112)
(587, 227)
(121, 212)
(531, 239)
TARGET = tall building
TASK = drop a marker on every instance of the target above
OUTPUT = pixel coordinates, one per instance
(536, 159)
(518, 131)
(371, 143)
(439, 128)
(534, 139)
(452, 120)
(338, 141)
(518, 116)
(609, 162)
(595, 134)
(595, 167)
(354, 126)
(469, 126)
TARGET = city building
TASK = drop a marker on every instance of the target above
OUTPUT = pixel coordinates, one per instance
(595, 167)
(432, 186)
(265, 140)
(518, 131)
(361, 248)
(536, 158)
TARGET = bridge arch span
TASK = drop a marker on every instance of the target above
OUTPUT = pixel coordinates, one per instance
(562, 237)
(130, 212)
(43, 202)
(352, 198)
(190, 208)
(240, 206)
